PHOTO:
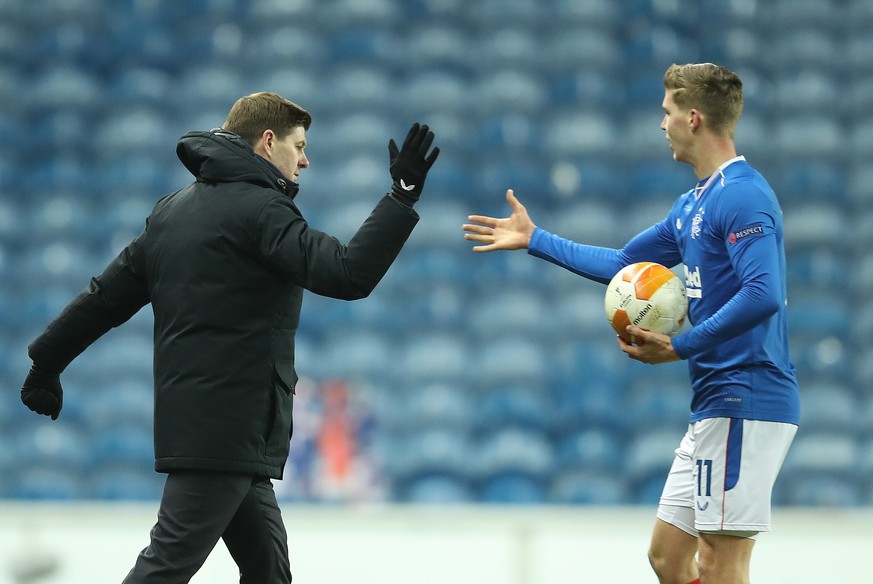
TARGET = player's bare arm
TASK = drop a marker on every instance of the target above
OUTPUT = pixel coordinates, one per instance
(513, 232)
(648, 347)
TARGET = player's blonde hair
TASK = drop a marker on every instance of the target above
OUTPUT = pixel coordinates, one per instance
(253, 114)
(713, 90)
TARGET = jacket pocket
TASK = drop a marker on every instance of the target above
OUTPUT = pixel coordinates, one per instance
(281, 427)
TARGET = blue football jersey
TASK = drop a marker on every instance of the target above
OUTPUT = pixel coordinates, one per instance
(728, 233)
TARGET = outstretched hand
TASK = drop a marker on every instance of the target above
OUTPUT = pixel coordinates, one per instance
(648, 347)
(513, 232)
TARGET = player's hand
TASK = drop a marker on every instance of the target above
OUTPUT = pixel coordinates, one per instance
(513, 232)
(42, 393)
(648, 347)
(410, 163)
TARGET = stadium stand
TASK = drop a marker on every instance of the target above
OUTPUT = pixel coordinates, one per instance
(491, 378)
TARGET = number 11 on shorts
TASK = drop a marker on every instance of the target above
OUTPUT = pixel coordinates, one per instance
(704, 466)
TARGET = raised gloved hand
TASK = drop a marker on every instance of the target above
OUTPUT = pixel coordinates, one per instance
(42, 392)
(410, 163)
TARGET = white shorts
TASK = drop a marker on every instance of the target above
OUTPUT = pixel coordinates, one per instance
(723, 474)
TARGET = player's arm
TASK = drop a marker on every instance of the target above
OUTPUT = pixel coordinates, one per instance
(655, 244)
(600, 264)
(756, 261)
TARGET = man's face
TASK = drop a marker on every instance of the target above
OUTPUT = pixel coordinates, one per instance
(287, 154)
(677, 126)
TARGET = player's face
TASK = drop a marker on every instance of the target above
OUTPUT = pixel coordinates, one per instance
(288, 154)
(677, 127)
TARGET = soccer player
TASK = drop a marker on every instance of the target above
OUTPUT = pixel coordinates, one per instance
(727, 231)
(224, 262)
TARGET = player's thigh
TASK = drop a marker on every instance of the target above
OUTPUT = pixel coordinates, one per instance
(676, 505)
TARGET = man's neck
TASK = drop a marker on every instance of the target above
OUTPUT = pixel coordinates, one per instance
(717, 153)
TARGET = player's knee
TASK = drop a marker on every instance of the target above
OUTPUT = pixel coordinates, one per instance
(659, 563)
(671, 570)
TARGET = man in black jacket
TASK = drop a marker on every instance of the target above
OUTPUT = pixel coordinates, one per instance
(224, 262)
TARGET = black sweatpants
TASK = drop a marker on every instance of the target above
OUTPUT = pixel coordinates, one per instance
(198, 508)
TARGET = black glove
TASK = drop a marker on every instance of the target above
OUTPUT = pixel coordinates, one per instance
(42, 393)
(409, 164)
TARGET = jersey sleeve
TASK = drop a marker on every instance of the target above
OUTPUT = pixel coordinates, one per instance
(749, 231)
(655, 244)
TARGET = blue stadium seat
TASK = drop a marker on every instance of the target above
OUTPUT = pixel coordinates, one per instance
(578, 133)
(590, 448)
(435, 89)
(821, 491)
(374, 89)
(517, 311)
(572, 47)
(822, 357)
(124, 444)
(48, 483)
(833, 452)
(440, 452)
(434, 356)
(513, 406)
(808, 134)
(126, 402)
(137, 130)
(141, 86)
(437, 489)
(819, 223)
(513, 451)
(588, 400)
(588, 487)
(513, 358)
(818, 315)
(603, 13)
(357, 354)
(62, 446)
(791, 14)
(440, 405)
(649, 453)
(513, 489)
(441, 45)
(125, 482)
(508, 54)
(817, 49)
(510, 130)
(819, 268)
(659, 399)
(827, 406)
(502, 12)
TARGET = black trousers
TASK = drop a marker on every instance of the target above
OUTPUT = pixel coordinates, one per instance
(198, 508)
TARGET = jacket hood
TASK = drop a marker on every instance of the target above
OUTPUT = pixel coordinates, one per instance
(222, 156)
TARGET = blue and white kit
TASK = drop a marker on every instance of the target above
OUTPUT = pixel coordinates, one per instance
(745, 407)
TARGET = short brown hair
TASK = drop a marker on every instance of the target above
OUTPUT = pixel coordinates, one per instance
(253, 114)
(712, 89)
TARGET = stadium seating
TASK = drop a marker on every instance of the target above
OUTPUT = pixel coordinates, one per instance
(490, 377)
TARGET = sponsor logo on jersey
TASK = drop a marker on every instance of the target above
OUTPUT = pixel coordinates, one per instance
(695, 224)
(693, 283)
(703, 507)
(747, 232)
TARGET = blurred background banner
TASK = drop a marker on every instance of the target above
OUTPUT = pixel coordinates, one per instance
(462, 379)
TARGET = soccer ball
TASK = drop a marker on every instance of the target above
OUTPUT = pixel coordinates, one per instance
(648, 295)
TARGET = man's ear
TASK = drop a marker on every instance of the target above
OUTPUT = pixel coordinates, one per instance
(694, 119)
(264, 145)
